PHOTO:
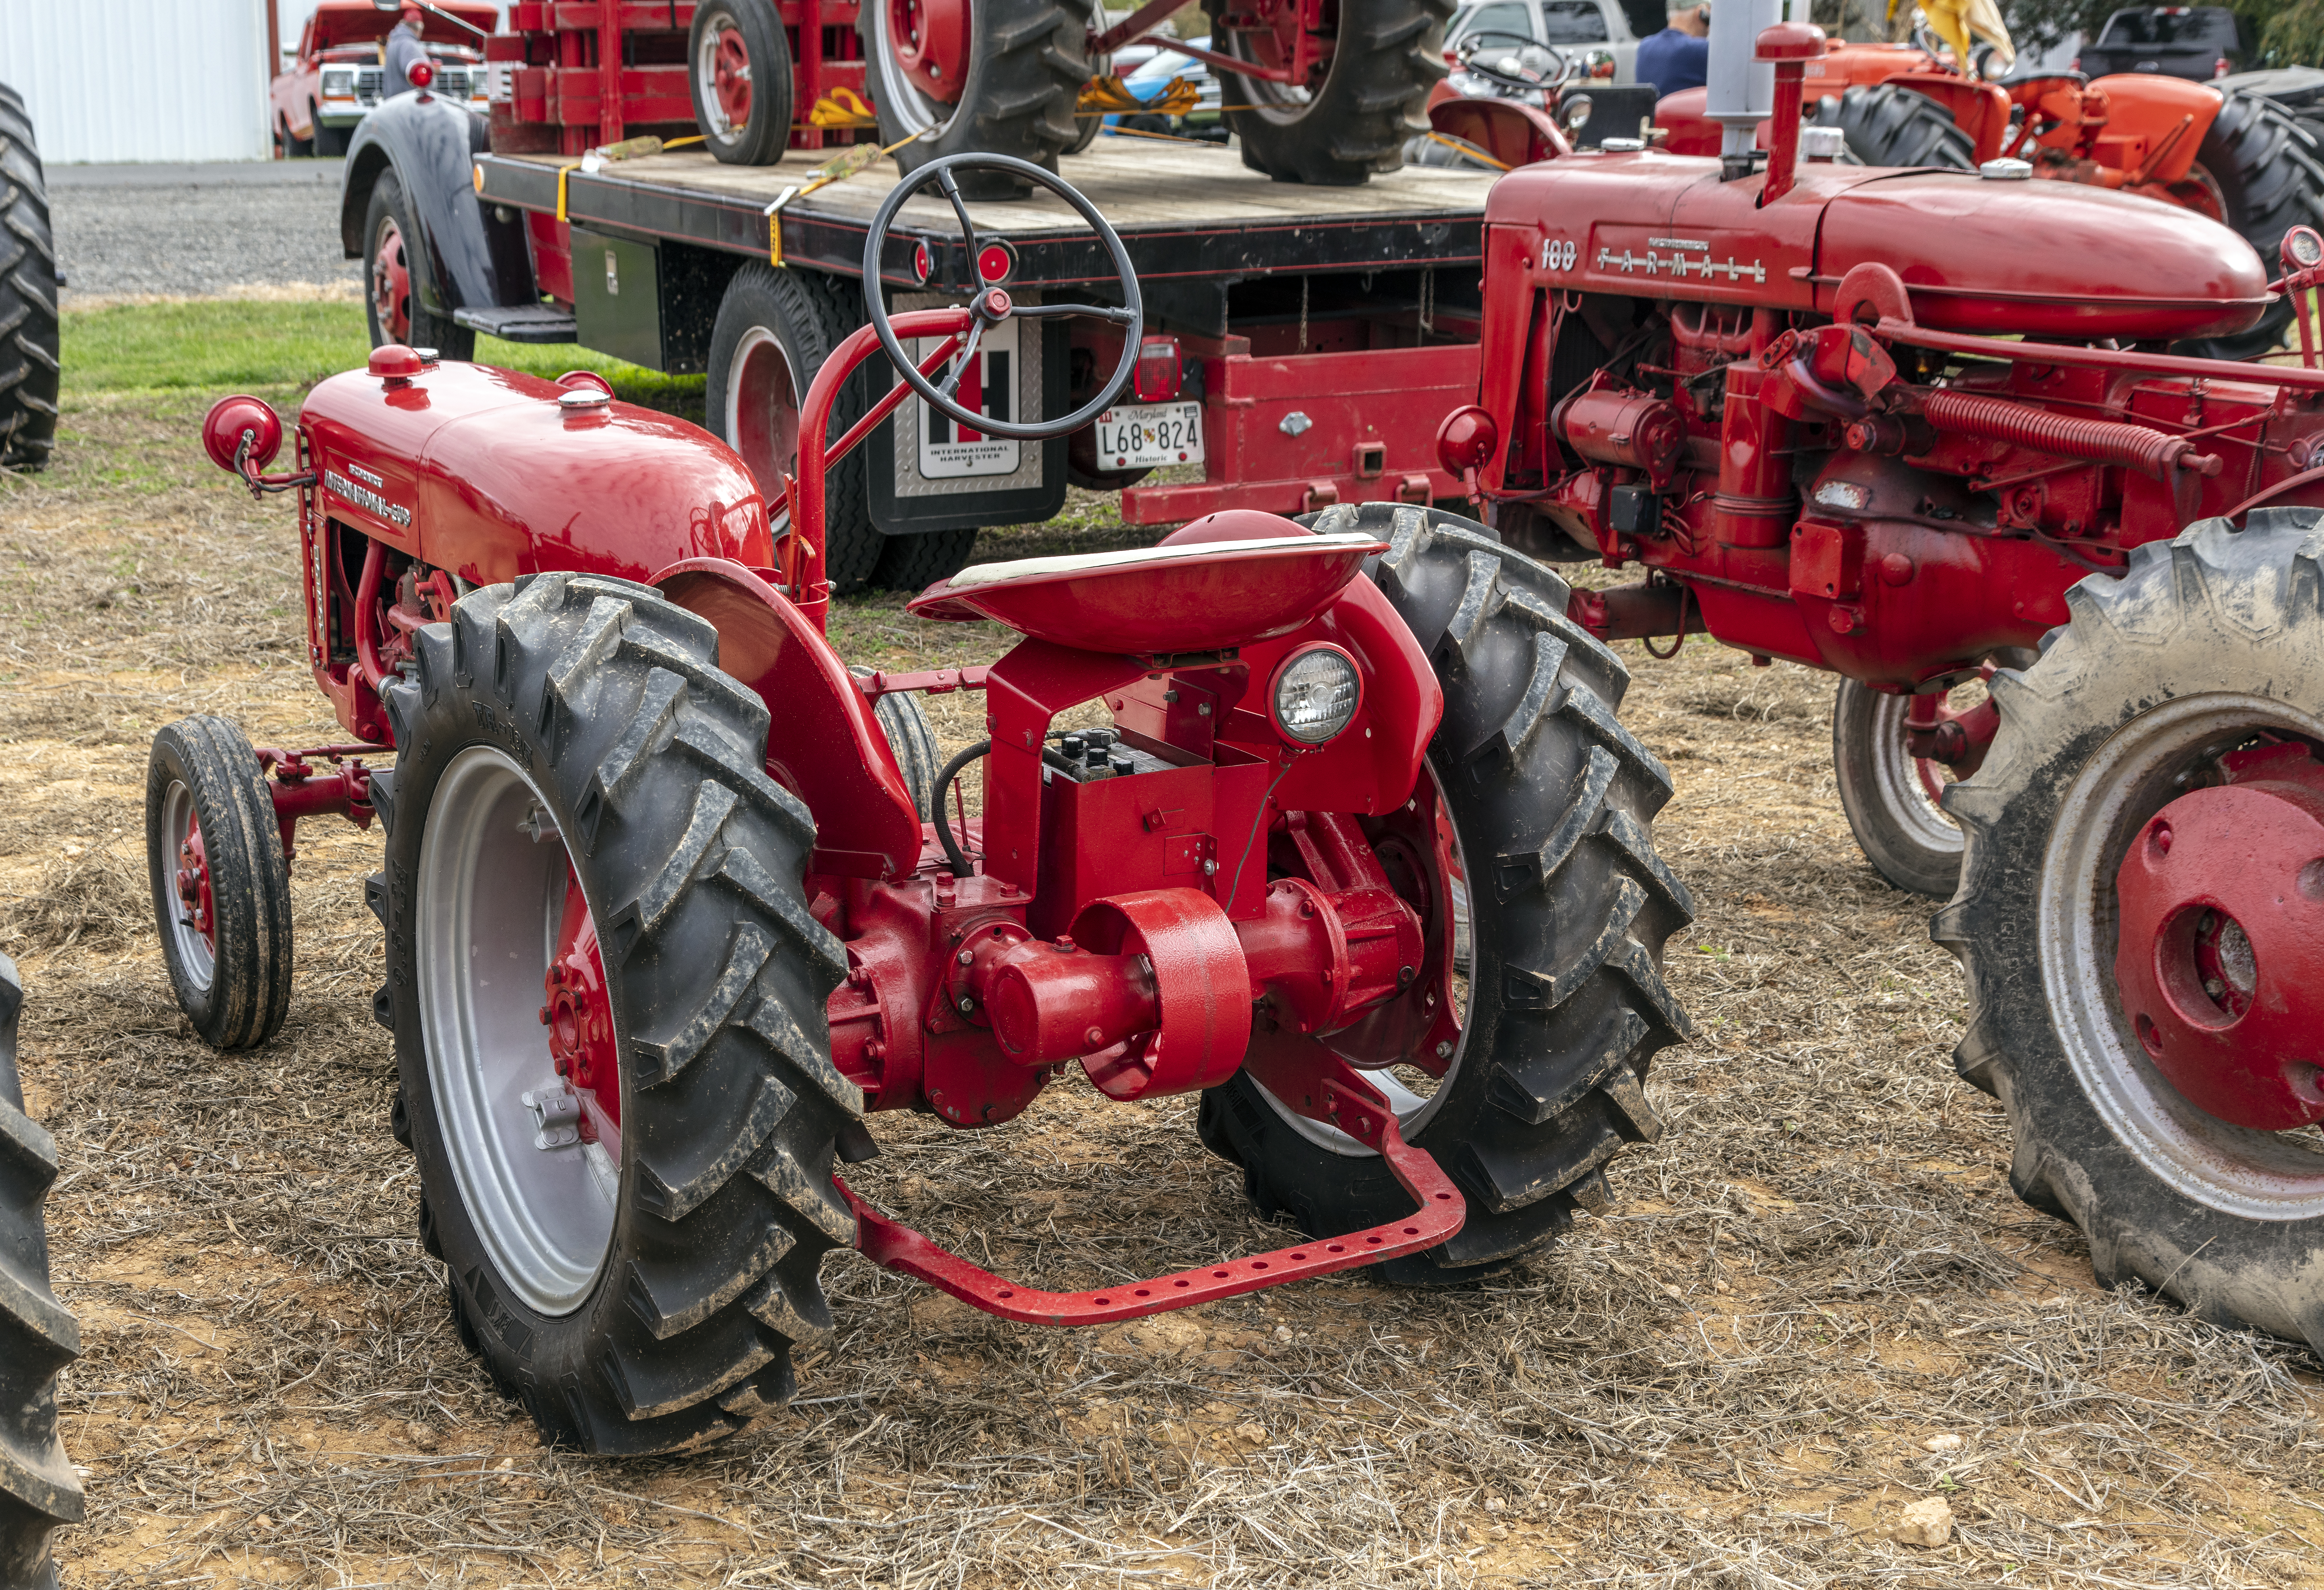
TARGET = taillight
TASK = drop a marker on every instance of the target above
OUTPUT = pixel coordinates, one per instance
(1158, 376)
(2219, 67)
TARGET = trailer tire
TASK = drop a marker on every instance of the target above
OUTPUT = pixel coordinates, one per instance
(1388, 55)
(756, 32)
(2201, 643)
(29, 350)
(656, 1307)
(392, 267)
(204, 787)
(1551, 798)
(914, 563)
(773, 331)
(1027, 62)
(1888, 125)
(38, 1338)
(2266, 168)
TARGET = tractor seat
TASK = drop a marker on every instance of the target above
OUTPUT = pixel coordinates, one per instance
(1158, 601)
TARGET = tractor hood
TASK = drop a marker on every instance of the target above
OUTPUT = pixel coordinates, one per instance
(482, 471)
(2039, 258)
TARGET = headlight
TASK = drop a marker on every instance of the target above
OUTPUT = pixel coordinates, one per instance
(339, 84)
(1314, 695)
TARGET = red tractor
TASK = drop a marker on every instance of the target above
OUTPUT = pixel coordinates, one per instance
(1318, 90)
(1917, 428)
(672, 899)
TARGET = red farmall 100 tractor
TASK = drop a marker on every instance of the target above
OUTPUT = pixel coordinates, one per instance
(671, 902)
(1911, 425)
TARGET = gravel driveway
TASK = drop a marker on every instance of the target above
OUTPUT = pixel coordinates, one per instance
(196, 230)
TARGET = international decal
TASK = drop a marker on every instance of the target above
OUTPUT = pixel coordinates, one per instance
(364, 498)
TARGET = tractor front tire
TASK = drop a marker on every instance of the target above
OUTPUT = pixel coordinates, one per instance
(38, 1338)
(2266, 168)
(1550, 798)
(1027, 62)
(220, 883)
(2207, 643)
(648, 1302)
(773, 331)
(1387, 56)
(29, 327)
(1888, 125)
(393, 266)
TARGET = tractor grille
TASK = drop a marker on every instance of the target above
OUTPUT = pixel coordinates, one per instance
(451, 81)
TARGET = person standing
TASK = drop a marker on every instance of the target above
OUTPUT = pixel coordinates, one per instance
(1679, 57)
(404, 51)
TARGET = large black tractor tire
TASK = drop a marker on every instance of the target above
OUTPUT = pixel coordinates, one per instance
(756, 28)
(1550, 798)
(1027, 62)
(773, 331)
(1388, 55)
(28, 352)
(387, 217)
(232, 980)
(590, 713)
(2203, 643)
(2267, 166)
(1887, 125)
(38, 1489)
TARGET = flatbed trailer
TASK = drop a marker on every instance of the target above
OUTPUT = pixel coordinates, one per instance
(1303, 343)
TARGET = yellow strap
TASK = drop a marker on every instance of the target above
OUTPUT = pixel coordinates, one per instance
(856, 159)
(842, 107)
(1108, 96)
(1471, 150)
(628, 148)
(1164, 137)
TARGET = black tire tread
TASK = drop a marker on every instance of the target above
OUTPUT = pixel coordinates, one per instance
(2269, 165)
(2213, 610)
(1895, 853)
(735, 1105)
(913, 740)
(1027, 68)
(30, 351)
(38, 1335)
(762, 140)
(914, 563)
(1890, 126)
(1568, 1002)
(429, 329)
(1388, 55)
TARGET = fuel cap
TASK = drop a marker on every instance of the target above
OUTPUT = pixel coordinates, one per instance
(2006, 171)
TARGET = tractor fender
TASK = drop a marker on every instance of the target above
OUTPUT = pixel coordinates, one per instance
(2150, 108)
(823, 744)
(431, 143)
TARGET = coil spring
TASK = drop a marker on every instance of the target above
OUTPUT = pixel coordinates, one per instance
(2105, 441)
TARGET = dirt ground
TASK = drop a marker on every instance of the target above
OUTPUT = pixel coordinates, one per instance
(1813, 1304)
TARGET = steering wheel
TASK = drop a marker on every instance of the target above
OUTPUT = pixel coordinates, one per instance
(1474, 44)
(992, 304)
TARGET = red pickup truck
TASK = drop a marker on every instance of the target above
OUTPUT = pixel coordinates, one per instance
(339, 74)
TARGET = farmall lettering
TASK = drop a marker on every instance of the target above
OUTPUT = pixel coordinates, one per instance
(1621, 249)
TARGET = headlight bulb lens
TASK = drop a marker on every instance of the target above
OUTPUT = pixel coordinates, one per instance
(1316, 695)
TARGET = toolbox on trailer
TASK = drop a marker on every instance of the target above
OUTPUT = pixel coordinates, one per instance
(1301, 343)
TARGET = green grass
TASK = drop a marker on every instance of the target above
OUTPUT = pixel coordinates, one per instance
(221, 346)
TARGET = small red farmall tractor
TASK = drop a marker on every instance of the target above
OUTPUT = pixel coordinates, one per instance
(671, 902)
(1909, 426)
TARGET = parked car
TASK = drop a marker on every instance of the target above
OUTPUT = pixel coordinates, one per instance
(338, 72)
(2197, 42)
(1612, 26)
(1153, 75)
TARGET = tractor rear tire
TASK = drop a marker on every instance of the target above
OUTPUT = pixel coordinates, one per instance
(29, 352)
(202, 779)
(1550, 798)
(2203, 643)
(756, 29)
(387, 228)
(773, 331)
(588, 713)
(1887, 125)
(1388, 55)
(2267, 167)
(38, 1491)
(1027, 62)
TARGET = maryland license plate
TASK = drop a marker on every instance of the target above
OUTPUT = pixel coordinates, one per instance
(1144, 435)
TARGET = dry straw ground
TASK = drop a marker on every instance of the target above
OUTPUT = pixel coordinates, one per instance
(1814, 1304)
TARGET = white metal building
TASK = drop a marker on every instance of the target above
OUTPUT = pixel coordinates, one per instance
(140, 79)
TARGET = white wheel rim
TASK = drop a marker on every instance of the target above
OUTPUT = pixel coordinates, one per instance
(195, 957)
(715, 122)
(1280, 103)
(2236, 1169)
(1414, 1111)
(488, 899)
(1896, 783)
(892, 90)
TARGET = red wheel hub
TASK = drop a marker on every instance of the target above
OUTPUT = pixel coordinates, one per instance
(193, 881)
(931, 42)
(730, 78)
(2221, 956)
(580, 1021)
(390, 284)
